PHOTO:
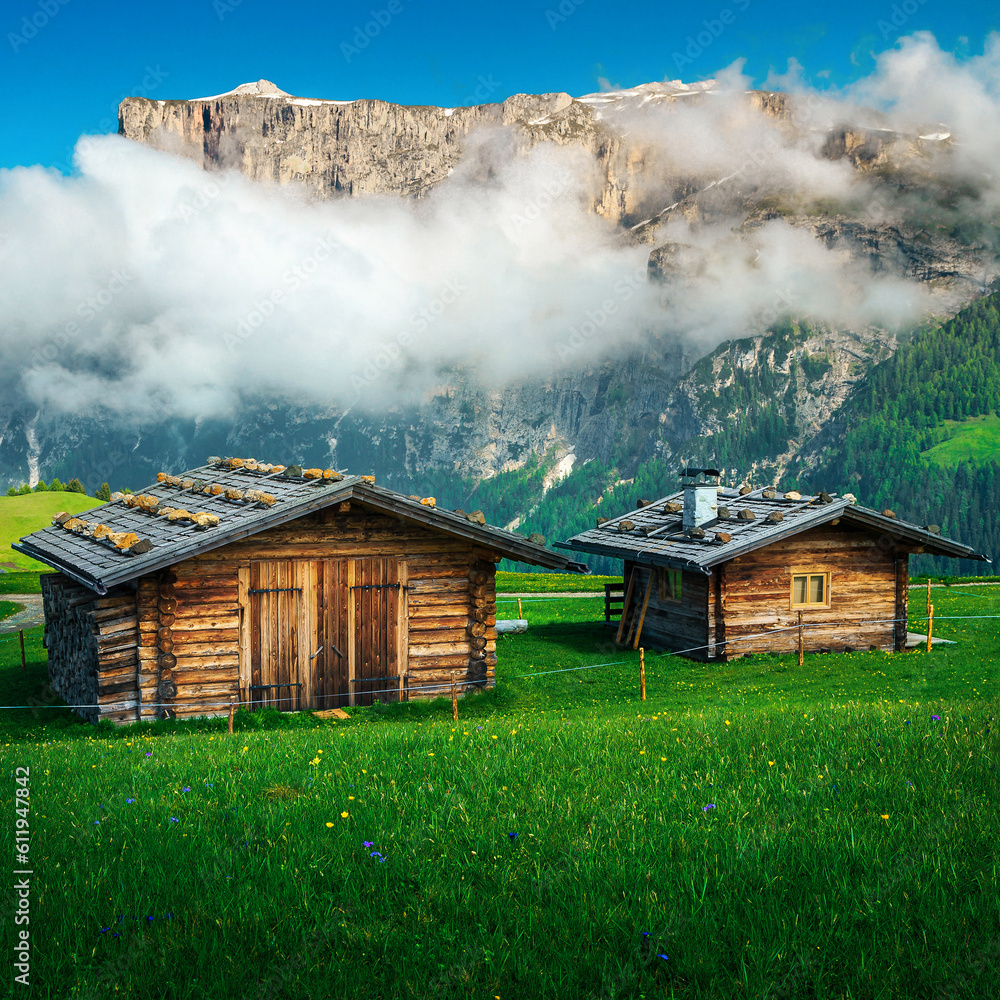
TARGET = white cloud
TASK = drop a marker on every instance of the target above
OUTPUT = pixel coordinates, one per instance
(150, 288)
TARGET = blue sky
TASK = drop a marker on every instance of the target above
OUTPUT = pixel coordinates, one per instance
(67, 63)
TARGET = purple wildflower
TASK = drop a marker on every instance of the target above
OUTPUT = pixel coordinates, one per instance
(512, 834)
(186, 788)
(129, 802)
(711, 805)
(664, 957)
(368, 843)
(935, 718)
(174, 819)
(149, 753)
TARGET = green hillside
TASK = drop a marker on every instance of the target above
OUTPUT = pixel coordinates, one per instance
(974, 440)
(920, 433)
(22, 515)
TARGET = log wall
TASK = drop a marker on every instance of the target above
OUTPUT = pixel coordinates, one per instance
(755, 589)
(189, 640)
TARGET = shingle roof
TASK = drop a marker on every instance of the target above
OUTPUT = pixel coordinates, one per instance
(658, 536)
(98, 565)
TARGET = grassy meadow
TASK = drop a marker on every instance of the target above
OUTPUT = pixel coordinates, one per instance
(976, 439)
(22, 515)
(752, 829)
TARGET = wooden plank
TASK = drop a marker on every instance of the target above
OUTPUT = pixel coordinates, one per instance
(245, 655)
(230, 662)
(902, 597)
(450, 661)
(227, 635)
(418, 650)
(403, 622)
(255, 633)
(332, 713)
(209, 622)
(306, 642)
(455, 621)
(351, 615)
(390, 621)
(626, 604)
(645, 604)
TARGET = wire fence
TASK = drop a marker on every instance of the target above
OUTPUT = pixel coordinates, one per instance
(465, 683)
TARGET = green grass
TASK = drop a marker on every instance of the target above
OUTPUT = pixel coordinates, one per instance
(537, 583)
(22, 515)
(8, 608)
(976, 439)
(21, 582)
(849, 851)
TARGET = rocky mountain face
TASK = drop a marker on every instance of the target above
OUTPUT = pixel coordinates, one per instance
(674, 399)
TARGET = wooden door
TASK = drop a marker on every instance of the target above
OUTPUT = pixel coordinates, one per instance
(331, 669)
(281, 634)
(378, 606)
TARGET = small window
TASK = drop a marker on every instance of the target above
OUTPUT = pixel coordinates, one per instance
(810, 589)
(670, 584)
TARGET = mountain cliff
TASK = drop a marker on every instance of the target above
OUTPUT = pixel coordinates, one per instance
(758, 403)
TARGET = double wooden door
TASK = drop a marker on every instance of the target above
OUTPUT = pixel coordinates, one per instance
(322, 633)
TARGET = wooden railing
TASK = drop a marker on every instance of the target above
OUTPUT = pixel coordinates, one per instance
(614, 599)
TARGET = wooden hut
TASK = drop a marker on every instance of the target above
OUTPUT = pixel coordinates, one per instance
(719, 572)
(268, 585)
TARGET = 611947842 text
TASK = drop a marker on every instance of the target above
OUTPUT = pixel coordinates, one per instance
(22, 886)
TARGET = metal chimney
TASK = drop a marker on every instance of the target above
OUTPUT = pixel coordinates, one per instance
(701, 494)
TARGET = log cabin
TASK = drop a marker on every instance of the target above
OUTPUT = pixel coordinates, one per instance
(269, 586)
(717, 573)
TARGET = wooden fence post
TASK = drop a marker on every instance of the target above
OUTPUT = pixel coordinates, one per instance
(454, 701)
(642, 672)
(231, 710)
(24, 662)
(930, 614)
(520, 614)
(800, 639)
